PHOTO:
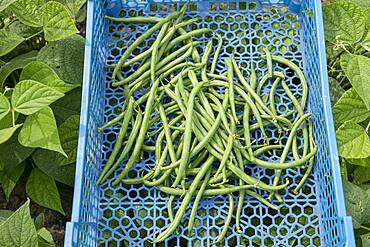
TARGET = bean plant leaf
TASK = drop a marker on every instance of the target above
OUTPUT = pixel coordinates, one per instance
(18, 229)
(40, 130)
(366, 41)
(345, 21)
(16, 63)
(45, 235)
(336, 91)
(365, 238)
(22, 29)
(74, 5)
(361, 175)
(356, 68)
(30, 96)
(360, 162)
(68, 132)
(41, 72)
(28, 12)
(350, 107)
(357, 203)
(353, 141)
(8, 41)
(4, 106)
(4, 214)
(63, 174)
(67, 106)
(42, 189)
(57, 22)
(6, 134)
(12, 153)
(66, 58)
(8, 181)
(39, 221)
(5, 4)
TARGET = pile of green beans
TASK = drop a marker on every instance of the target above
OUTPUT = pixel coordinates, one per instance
(205, 121)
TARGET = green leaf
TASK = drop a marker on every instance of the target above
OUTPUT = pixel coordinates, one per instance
(12, 154)
(361, 175)
(18, 229)
(357, 204)
(68, 132)
(74, 5)
(5, 4)
(357, 69)
(345, 21)
(40, 221)
(42, 189)
(365, 238)
(6, 134)
(41, 72)
(366, 40)
(29, 12)
(58, 24)
(16, 63)
(63, 174)
(45, 235)
(4, 214)
(8, 181)
(353, 142)
(66, 58)
(4, 106)
(40, 130)
(336, 91)
(350, 107)
(9, 41)
(30, 96)
(360, 162)
(22, 29)
(67, 106)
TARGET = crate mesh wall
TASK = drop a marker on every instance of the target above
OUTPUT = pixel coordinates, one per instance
(132, 215)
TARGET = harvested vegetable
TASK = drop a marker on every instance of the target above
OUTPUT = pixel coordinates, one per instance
(204, 120)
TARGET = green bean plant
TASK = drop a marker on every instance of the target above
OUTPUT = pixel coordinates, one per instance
(347, 34)
(41, 64)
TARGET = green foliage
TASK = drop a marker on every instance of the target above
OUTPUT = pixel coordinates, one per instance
(18, 229)
(43, 190)
(347, 33)
(41, 64)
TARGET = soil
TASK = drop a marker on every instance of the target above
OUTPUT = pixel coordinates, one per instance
(54, 221)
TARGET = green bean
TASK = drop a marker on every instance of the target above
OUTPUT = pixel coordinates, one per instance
(113, 121)
(139, 40)
(197, 201)
(208, 192)
(118, 144)
(226, 155)
(228, 219)
(265, 78)
(188, 127)
(247, 134)
(222, 77)
(230, 78)
(185, 202)
(127, 148)
(169, 207)
(311, 162)
(269, 60)
(239, 208)
(221, 109)
(253, 181)
(261, 199)
(217, 53)
(148, 148)
(195, 54)
(264, 149)
(136, 19)
(167, 134)
(158, 181)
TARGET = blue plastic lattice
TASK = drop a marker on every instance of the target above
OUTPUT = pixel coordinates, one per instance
(132, 215)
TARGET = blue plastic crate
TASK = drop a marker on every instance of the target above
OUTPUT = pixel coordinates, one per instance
(134, 215)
